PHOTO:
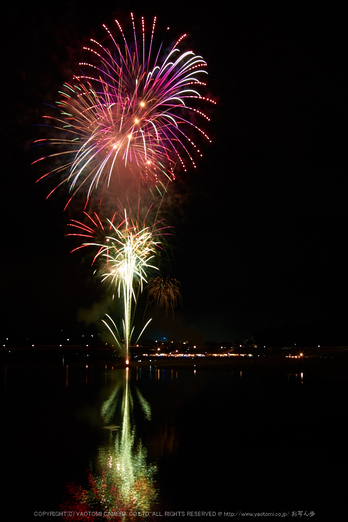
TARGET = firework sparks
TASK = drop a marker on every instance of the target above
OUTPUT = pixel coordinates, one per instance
(164, 292)
(130, 115)
(126, 252)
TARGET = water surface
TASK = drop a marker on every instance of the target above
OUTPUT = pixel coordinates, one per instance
(174, 439)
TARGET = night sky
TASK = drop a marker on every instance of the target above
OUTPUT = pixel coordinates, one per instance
(260, 226)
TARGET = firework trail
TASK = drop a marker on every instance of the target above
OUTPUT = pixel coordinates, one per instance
(126, 249)
(130, 114)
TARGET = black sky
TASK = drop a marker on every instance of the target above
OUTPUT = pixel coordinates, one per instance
(260, 225)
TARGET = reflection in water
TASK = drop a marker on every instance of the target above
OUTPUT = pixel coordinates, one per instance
(121, 484)
(296, 376)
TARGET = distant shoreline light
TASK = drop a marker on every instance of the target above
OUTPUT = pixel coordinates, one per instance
(197, 355)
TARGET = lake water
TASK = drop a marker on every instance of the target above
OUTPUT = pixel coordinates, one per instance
(164, 443)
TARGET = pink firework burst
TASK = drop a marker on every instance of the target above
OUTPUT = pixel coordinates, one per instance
(132, 115)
